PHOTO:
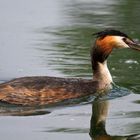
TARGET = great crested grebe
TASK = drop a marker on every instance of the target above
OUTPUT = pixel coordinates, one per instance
(43, 90)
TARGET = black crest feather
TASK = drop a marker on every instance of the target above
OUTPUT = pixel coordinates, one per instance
(107, 32)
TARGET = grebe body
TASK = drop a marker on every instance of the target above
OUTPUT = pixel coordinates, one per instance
(43, 90)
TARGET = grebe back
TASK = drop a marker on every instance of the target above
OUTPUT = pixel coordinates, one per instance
(43, 90)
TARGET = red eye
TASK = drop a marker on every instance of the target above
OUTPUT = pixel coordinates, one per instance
(124, 39)
(127, 41)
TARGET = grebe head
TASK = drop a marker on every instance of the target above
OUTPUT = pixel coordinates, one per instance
(114, 39)
(106, 41)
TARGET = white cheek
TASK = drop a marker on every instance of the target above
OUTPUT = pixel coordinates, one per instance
(120, 43)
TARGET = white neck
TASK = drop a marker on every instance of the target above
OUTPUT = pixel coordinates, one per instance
(102, 75)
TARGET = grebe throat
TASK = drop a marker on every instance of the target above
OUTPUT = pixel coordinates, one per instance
(101, 72)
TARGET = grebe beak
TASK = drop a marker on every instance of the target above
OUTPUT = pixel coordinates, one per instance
(135, 48)
(132, 44)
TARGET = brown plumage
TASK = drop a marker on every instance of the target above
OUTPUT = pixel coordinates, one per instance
(44, 90)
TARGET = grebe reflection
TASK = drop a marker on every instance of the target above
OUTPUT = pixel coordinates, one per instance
(98, 131)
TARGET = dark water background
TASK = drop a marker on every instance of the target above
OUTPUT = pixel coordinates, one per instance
(54, 38)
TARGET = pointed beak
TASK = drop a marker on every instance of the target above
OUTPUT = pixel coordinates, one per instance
(132, 44)
(135, 46)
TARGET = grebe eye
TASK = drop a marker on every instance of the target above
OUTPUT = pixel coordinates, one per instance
(124, 39)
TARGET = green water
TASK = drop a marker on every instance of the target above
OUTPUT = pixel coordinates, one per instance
(54, 38)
